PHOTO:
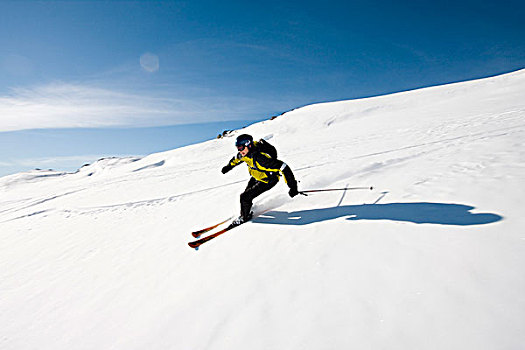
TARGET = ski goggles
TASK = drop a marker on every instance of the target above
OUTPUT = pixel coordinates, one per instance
(242, 146)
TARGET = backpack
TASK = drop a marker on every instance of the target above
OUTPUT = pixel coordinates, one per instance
(264, 146)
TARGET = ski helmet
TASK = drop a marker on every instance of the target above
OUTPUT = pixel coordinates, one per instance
(244, 140)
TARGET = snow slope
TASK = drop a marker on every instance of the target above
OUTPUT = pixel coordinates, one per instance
(432, 258)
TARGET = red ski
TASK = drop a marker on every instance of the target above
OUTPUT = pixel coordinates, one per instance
(197, 244)
(198, 233)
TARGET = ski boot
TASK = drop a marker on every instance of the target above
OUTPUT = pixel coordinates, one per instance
(242, 219)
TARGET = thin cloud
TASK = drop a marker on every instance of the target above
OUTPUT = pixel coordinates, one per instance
(63, 105)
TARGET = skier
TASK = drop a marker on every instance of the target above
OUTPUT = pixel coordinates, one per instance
(265, 170)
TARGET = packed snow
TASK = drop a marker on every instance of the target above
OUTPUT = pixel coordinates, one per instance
(432, 258)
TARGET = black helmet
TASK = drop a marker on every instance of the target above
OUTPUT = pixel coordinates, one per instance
(244, 140)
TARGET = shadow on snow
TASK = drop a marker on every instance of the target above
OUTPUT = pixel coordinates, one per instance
(419, 213)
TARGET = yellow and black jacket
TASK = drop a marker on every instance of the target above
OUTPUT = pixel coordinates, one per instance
(262, 167)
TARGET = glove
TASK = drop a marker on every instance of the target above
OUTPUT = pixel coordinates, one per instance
(293, 192)
(226, 169)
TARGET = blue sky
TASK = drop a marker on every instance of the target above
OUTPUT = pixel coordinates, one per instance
(85, 79)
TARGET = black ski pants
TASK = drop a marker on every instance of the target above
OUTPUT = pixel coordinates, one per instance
(254, 189)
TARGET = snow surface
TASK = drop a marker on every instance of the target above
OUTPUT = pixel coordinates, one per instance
(432, 258)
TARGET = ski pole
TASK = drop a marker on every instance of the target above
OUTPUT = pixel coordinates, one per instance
(337, 189)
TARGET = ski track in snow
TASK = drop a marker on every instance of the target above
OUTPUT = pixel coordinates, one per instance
(432, 258)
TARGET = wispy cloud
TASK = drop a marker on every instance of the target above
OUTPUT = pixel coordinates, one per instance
(64, 105)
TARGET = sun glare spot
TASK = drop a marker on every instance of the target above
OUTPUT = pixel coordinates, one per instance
(149, 62)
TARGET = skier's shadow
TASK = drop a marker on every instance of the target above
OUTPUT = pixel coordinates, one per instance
(419, 213)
